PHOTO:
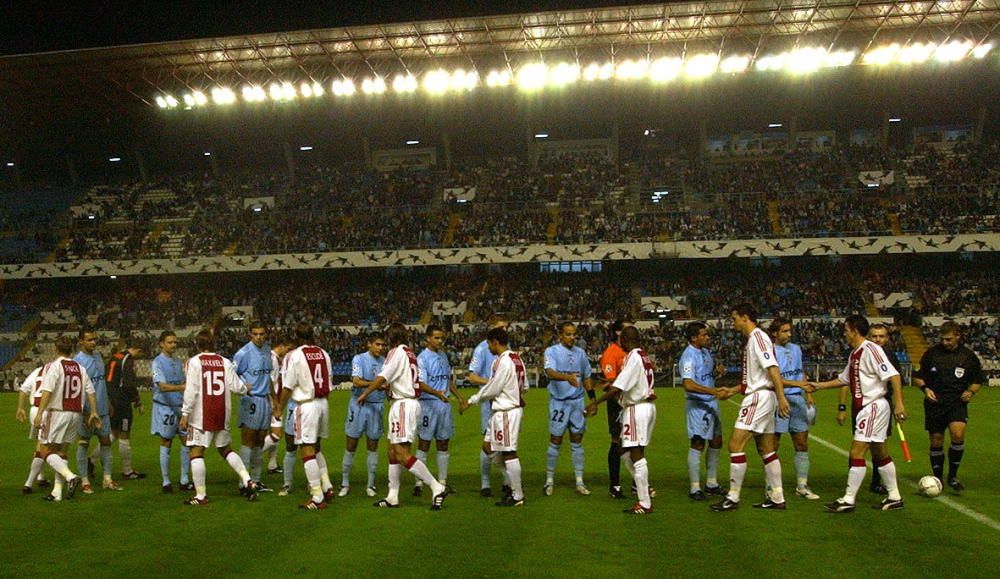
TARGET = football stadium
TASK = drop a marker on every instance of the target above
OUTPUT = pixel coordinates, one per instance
(540, 289)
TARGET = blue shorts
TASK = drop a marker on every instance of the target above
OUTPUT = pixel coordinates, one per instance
(703, 418)
(255, 412)
(364, 419)
(797, 420)
(566, 413)
(165, 422)
(436, 421)
(86, 432)
(485, 413)
(290, 417)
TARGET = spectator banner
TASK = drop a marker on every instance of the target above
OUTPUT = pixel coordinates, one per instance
(664, 303)
(258, 202)
(893, 300)
(746, 248)
(238, 312)
(576, 148)
(877, 178)
(388, 160)
(448, 308)
(58, 317)
(459, 194)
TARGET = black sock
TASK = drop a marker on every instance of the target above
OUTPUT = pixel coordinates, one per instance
(955, 453)
(615, 465)
(937, 462)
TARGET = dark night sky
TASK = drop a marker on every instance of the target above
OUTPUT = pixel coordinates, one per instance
(38, 26)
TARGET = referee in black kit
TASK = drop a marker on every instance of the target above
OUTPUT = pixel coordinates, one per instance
(950, 376)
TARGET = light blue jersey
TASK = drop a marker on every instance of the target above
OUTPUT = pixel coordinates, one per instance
(366, 367)
(253, 366)
(567, 361)
(482, 366)
(94, 366)
(696, 364)
(435, 371)
(790, 363)
(167, 370)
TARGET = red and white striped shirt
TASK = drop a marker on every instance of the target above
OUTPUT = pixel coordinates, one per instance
(211, 381)
(32, 385)
(866, 374)
(636, 379)
(68, 384)
(758, 356)
(401, 372)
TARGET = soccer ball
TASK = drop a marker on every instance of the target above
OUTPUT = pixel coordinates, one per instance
(930, 486)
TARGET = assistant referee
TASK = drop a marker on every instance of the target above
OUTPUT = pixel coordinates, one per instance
(950, 375)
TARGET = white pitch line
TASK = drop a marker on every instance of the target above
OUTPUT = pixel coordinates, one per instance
(941, 499)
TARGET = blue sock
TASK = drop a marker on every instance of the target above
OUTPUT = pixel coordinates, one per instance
(81, 459)
(185, 465)
(576, 449)
(551, 458)
(372, 466)
(165, 464)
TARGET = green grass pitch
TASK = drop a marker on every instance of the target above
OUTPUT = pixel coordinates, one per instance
(142, 532)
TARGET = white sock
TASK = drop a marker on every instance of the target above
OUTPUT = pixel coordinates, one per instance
(422, 457)
(324, 474)
(57, 486)
(125, 452)
(312, 475)
(60, 465)
(270, 443)
(237, 465)
(346, 464)
(801, 469)
(246, 454)
(289, 467)
(694, 469)
(855, 477)
(420, 470)
(272, 459)
(106, 462)
(888, 472)
(256, 462)
(442, 460)
(576, 452)
(36, 470)
(642, 482)
(81, 461)
(198, 474)
(712, 467)
(372, 464)
(737, 470)
(513, 468)
(395, 474)
(772, 474)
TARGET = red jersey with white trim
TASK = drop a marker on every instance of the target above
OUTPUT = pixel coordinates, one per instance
(277, 370)
(635, 379)
(867, 371)
(308, 372)
(67, 383)
(32, 385)
(211, 381)
(401, 372)
(506, 384)
(758, 356)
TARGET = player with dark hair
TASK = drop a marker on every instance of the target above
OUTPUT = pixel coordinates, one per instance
(704, 422)
(254, 367)
(950, 375)
(436, 420)
(90, 359)
(879, 334)
(480, 371)
(280, 345)
(123, 393)
(31, 389)
(364, 419)
(168, 397)
(612, 361)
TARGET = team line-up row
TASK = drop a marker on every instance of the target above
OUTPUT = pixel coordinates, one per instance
(284, 385)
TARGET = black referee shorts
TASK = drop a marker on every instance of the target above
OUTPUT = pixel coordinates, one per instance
(938, 416)
(614, 412)
(121, 417)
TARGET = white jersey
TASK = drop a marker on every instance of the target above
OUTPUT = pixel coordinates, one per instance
(32, 385)
(635, 379)
(307, 370)
(506, 383)
(277, 370)
(401, 372)
(866, 373)
(758, 356)
(67, 383)
(210, 381)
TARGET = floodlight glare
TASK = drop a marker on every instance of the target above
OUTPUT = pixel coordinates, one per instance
(436, 81)
(564, 73)
(734, 64)
(223, 96)
(882, 55)
(189, 99)
(10, 164)
(413, 142)
(343, 87)
(114, 159)
(161, 102)
(596, 71)
(771, 62)
(701, 65)
(953, 51)
(404, 83)
(498, 78)
(254, 94)
(982, 50)
(462, 79)
(895, 120)
(318, 90)
(632, 69)
(532, 76)
(305, 148)
(541, 135)
(171, 102)
(774, 125)
(373, 85)
(306, 90)
(916, 53)
(665, 69)
(804, 60)
(208, 154)
(199, 98)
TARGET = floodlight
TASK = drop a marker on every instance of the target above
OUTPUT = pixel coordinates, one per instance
(498, 78)
(413, 142)
(462, 79)
(223, 96)
(436, 81)
(771, 62)
(404, 83)
(840, 58)
(189, 100)
(895, 120)
(318, 90)
(632, 69)
(804, 60)
(171, 102)
(882, 55)
(916, 53)
(701, 65)
(208, 154)
(114, 159)
(532, 76)
(306, 90)
(199, 98)
(9, 164)
(253, 93)
(595, 71)
(161, 102)
(343, 87)
(564, 73)
(734, 64)
(774, 125)
(373, 85)
(665, 69)
(114, 277)
(541, 135)
(953, 51)
(982, 50)
(305, 148)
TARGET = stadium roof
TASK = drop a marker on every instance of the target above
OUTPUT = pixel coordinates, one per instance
(134, 74)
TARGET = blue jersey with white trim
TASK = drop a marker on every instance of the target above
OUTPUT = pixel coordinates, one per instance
(253, 366)
(366, 367)
(567, 361)
(697, 365)
(435, 372)
(94, 366)
(790, 363)
(168, 370)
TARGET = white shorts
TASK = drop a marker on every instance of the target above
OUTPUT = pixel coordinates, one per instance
(637, 424)
(872, 422)
(757, 412)
(208, 438)
(32, 431)
(311, 421)
(505, 428)
(59, 427)
(403, 416)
